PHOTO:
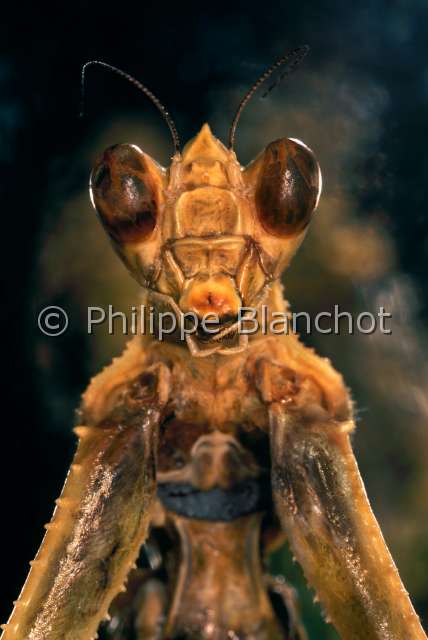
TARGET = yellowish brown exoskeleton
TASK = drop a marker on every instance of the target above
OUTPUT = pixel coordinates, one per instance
(214, 448)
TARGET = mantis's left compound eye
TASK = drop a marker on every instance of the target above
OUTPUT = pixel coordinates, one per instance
(125, 190)
(287, 182)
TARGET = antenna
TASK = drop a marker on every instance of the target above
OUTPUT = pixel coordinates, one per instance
(169, 121)
(291, 60)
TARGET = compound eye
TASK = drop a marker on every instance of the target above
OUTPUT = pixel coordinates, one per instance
(288, 186)
(125, 189)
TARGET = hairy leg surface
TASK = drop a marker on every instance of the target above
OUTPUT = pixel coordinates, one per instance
(98, 526)
(323, 507)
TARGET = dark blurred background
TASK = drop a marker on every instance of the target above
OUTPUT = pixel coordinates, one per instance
(359, 100)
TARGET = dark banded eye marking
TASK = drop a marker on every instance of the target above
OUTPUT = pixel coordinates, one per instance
(288, 187)
(101, 177)
(124, 194)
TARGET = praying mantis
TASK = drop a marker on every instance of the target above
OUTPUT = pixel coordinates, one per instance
(212, 450)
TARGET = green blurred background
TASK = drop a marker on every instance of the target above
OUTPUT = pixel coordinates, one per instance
(359, 100)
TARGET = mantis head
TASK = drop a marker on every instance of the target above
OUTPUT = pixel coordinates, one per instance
(207, 236)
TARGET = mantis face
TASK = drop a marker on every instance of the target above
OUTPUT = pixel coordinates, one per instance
(207, 236)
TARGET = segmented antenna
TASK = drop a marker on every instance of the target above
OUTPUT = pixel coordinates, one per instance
(169, 121)
(292, 60)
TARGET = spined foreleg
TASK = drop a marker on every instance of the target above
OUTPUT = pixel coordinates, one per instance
(323, 507)
(98, 526)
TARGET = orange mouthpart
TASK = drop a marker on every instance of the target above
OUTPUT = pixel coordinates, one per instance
(216, 295)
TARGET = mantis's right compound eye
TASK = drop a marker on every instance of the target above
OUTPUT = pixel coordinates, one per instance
(125, 190)
(287, 181)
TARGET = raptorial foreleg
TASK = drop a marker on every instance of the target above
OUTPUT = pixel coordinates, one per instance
(98, 526)
(324, 510)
